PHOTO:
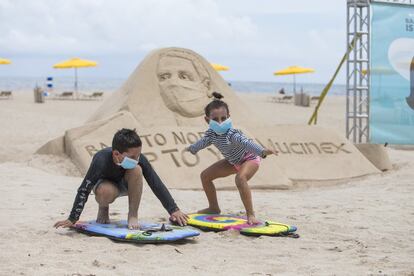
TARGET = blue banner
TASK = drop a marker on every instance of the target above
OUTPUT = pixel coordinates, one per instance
(392, 74)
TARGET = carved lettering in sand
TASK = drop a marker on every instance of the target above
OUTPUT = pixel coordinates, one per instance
(171, 144)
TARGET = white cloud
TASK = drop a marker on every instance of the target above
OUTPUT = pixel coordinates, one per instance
(266, 34)
(278, 7)
(114, 26)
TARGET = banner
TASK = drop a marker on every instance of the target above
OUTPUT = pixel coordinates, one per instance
(392, 74)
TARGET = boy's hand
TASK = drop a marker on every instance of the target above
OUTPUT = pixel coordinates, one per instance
(63, 223)
(179, 217)
(270, 151)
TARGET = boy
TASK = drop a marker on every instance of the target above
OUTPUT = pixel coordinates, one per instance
(116, 172)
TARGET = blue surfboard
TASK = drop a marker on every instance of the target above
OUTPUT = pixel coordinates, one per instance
(148, 232)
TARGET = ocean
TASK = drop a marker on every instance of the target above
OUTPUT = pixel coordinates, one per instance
(89, 84)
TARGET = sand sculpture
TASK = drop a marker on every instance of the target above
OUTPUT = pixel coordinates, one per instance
(164, 99)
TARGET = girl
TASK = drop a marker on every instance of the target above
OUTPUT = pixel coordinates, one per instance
(241, 156)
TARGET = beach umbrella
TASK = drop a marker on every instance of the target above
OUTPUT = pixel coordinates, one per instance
(4, 61)
(75, 63)
(219, 67)
(293, 70)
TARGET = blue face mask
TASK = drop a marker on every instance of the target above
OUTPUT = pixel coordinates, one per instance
(221, 128)
(128, 163)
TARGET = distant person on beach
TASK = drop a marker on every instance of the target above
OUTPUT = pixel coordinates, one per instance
(241, 156)
(116, 172)
(282, 91)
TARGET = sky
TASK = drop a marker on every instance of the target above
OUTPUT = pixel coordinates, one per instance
(254, 38)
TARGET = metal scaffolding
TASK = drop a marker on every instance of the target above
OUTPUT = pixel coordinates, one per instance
(357, 71)
(358, 67)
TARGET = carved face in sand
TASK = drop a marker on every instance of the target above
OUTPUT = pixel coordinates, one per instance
(184, 83)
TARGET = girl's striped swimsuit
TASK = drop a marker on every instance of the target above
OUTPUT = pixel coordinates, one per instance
(233, 144)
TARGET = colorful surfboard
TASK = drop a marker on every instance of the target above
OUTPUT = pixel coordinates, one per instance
(148, 233)
(230, 222)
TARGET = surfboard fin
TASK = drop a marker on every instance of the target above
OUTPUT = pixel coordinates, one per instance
(162, 228)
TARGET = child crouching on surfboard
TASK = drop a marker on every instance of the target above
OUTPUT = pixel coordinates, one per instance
(241, 156)
(116, 172)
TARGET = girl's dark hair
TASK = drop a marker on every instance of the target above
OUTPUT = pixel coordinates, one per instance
(216, 103)
(125, 139)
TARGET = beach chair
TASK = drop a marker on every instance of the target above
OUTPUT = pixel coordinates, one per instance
(94, 96)
(287, 99)
(97, 95)
(280, 98)
(6, 95)
(277, 98)
(67, 95)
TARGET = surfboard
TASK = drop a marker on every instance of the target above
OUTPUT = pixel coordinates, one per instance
(217, 223)
(148, 232)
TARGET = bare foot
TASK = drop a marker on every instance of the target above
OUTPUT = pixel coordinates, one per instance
(133, 222)
(252, 220)
(210, 210)
(103, 215)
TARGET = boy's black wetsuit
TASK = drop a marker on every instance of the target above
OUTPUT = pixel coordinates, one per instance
(104, 168)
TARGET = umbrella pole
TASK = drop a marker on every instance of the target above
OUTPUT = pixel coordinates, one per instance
(294, 84)
(76, 82)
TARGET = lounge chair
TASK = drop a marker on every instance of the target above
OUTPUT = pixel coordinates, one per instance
(287, 98)
(94, 96)
(6, 95)
(282, 98)
(67, 95)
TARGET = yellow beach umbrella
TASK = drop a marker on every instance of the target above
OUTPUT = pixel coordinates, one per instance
(219, 67)
(75, 63)
(4, 61)
(293, 70)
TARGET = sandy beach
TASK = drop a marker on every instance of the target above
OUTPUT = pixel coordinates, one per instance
(359, 227)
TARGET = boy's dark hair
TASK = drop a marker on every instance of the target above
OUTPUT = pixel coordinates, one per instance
(125, 139)
(216, 103)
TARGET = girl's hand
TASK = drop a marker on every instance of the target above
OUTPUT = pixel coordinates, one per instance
(271, 151)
